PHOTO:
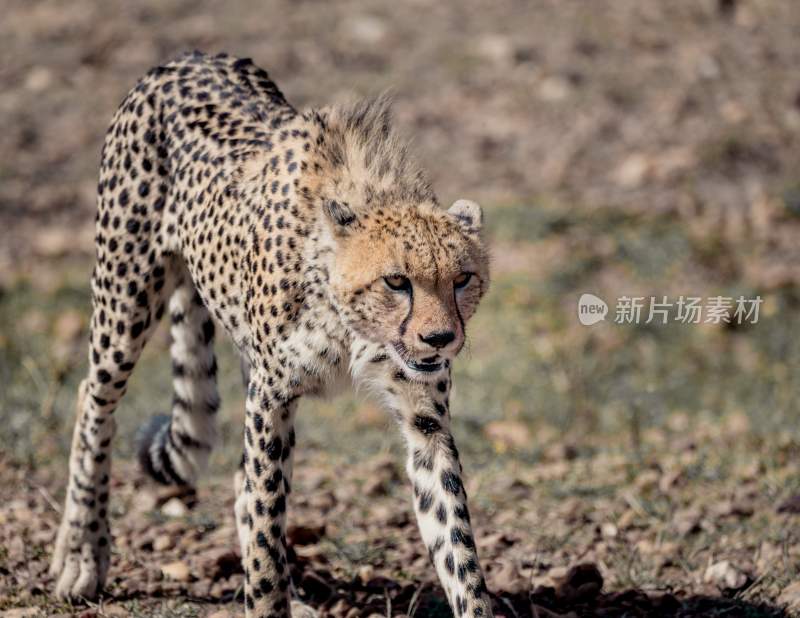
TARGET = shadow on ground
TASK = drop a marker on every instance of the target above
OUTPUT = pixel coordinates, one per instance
(579, 595)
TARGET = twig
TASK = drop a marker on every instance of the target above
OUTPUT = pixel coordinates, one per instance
(48, 498)
(412, 609)
(511, 607)
(388, 603)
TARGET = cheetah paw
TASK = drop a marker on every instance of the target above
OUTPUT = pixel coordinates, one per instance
(80, 574)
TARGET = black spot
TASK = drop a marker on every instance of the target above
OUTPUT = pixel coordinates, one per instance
(461, 512)
(471, 565)
(425, 501)
(279, 506)
(457, 535)
(451, 482)
(437, 545)
(449, 563)
(103, 376)
(274, 481)
(132, 226)
(274, 449)
(426, 424)
(265, 586)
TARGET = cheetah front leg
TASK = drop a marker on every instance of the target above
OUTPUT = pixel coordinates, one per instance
(440, 501)
(269, 441)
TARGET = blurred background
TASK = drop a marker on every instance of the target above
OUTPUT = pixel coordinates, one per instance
(632, 147)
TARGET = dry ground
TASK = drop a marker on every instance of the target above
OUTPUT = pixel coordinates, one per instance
(619, 147)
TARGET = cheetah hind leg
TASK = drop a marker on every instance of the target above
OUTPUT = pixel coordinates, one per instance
(174, 449)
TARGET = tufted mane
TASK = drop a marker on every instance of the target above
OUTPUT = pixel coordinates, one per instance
(360, 148)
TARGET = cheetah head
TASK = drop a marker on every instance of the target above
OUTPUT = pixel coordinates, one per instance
(409, 277)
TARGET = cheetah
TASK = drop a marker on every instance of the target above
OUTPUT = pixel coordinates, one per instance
(316, 242)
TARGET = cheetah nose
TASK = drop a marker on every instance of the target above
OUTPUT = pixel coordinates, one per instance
(438, 339)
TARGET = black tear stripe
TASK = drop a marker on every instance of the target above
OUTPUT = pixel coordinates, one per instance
(407, 319)
(458, 312)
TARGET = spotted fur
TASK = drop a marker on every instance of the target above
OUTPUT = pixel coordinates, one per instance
(316, 243)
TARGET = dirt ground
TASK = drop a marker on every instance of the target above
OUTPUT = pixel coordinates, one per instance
(618, 147)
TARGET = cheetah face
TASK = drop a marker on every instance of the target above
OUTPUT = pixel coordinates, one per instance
(410, 278)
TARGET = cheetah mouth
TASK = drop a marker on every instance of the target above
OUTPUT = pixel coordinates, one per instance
(429, 365)
(424, 367)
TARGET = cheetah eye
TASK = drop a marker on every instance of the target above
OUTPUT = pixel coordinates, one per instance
(462, 280)
(399, 283)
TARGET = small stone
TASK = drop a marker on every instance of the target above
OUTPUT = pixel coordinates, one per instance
(218, 563)
(554, 88)
(305, 535)
(508, 578)
(609, 530)
(367, 29)
(687, 521)
(375, 487)
(582, 583)
(163, 542)
(627, 519)
(174, 507)
(39, 79)
(20, 612)
(177, 571)
(508, 434)
(790, 505)
(790, 597)
(725, 576)
(68, 326)
(632, 172)
(365, 573)
(557, 575)
(647, 479)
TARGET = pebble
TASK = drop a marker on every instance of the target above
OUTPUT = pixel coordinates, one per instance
(174, 507)
(178, 571)
(725, 576)
(163, 542)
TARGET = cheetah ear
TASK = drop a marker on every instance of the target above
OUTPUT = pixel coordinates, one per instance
(468, 214)
(339, 215)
